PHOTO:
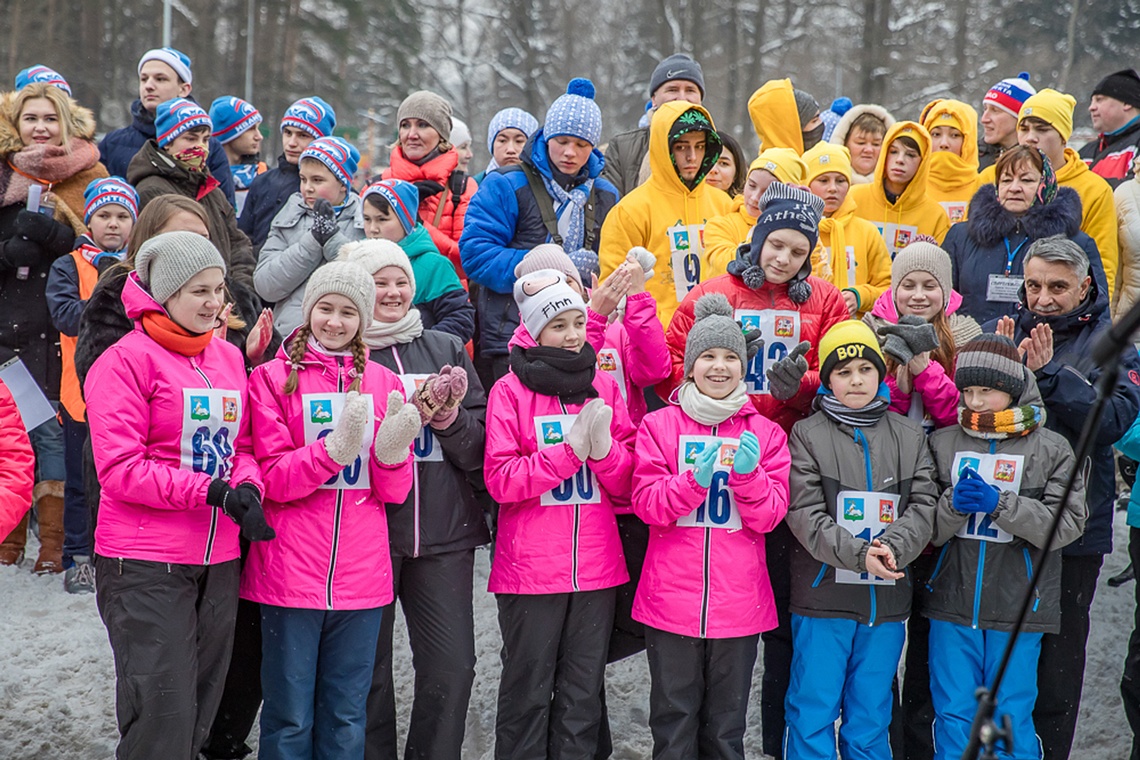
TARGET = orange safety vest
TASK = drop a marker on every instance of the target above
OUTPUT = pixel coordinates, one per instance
(70, 394)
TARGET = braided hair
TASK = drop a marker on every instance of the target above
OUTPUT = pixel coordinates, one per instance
(296, 355)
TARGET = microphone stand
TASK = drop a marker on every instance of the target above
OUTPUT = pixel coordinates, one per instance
(985, 734)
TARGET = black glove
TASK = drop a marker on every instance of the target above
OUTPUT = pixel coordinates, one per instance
(324, 221)
(457, 183)
(243, 506)
(42, 229)
(20, 252)
(428, 188)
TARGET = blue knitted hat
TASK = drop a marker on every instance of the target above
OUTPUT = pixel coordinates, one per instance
(231, 117)
(338, 155)
(176, 116)
(510, 118)
(575, 114)
(403, 197)
(34, 74)
(106, 191)
(311, 115)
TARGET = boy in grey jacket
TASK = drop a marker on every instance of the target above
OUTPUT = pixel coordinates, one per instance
(863, 500)
(1002, 476)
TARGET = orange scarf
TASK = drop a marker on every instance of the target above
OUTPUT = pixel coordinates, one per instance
(174, 337)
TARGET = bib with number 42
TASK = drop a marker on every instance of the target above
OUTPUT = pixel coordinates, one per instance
(781, 333)
(1003, 471)
(321, 413)
(865, 515)
(425, 448)
(211, 419)
(718, 510)
(579, 488)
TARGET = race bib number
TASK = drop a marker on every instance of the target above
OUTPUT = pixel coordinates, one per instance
(686, 244)
(321, 413)
(1004, 288)
(718, 510)
(609, 360)
(1000, 470)
(211, 419)
(865, 515)
(781, 333)
(579, 488)
(955, 210)
(896, 236)
(426, 446)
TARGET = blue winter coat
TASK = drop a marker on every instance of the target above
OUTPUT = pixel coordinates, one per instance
(267, 195)
(503, 222)
(977, 247)
(118, 148)
(1067, 388)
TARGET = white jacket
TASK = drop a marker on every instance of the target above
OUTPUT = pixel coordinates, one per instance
(1127, 291)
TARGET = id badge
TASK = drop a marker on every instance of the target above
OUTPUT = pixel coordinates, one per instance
(1004, 288)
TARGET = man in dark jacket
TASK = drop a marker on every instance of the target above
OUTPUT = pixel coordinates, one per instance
(1059, 319)
(678, 77)
(1115, 111)
(304, 121)
(164, 73)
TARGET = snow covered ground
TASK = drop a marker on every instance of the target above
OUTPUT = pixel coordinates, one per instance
(57, 680)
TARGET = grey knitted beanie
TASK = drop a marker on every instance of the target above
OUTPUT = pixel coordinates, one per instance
(343, 278)
(168, 261)
(429, 107)
(715, 327)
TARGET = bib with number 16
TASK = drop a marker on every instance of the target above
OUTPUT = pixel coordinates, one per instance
(718, 510)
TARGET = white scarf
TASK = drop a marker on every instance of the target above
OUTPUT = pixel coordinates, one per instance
(405, 330)
(708, 410)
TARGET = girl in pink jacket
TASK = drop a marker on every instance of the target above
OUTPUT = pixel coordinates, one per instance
(329, 471)
(711, 480)
(558, 455)
(170, 430)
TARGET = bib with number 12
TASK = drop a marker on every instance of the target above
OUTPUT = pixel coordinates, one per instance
(718, 510)
(579, 488)
(1000, 470)
(865, 515)
(321, 412)
(425, 448)
(781, 333)
(686, 243)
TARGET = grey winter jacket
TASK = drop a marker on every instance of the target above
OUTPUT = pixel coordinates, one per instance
(624, 156)
(827, 458)
(979, 583)
(291, 254)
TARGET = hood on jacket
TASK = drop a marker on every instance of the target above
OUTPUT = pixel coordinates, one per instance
(535, 154)
(137, 299)
(915, 191)
(1089, 312)
(843, 127)
(990, 223)
(438, 169)
(885, 308)
(663, 173)
(153, 161)
(521, 338)
(82, 123)
(950, 170)
(775, 117)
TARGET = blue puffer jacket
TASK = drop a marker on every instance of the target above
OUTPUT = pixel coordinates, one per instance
(977, 247)
(504, 222)
(267, 195)
(118, 148)
(1067, 388)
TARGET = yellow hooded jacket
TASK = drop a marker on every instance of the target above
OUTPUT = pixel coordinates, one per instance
(914, 213)
(722, 235)
(1098, 211)
(664, 216)
(865, 266)
(953, 179)
(775, 116)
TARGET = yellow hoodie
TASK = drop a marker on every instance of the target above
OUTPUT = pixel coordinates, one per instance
(722, 235)
(865, 267)
(953, 178)
(913, 213)
(1098, 210)
(664, 216)
(775, 116)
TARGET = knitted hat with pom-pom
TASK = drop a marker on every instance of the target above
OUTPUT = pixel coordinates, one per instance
(575, 114)
(715, 327)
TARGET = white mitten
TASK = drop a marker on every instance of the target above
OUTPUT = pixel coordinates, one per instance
(579, 435)
(344, 442)
(400, 426)
(601, 439)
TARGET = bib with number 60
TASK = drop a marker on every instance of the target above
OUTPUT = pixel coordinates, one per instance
(579, 488)
(865, 515)
(718, 510)
(211, 418)
(1001, 470)
(321, 413)
(425, 448)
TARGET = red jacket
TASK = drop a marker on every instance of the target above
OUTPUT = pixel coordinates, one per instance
(17, 464)
(779, 317)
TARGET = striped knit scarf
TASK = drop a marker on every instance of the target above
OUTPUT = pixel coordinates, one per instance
(1009, 423)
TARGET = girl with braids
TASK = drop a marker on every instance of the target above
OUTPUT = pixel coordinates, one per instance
(333, 439)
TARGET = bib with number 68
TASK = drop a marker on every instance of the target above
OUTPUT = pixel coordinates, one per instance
(579, 488)
(211, 419)
(1001, 470)
(321, 412)
(865, 515)
(425, 448)
(718, 510)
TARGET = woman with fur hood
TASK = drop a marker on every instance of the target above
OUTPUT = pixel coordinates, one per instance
(861, 130)
(1023, 205)
(45, 140)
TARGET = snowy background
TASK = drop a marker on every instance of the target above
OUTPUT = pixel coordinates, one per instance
(57, 681)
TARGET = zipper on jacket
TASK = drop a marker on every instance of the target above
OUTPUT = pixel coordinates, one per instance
(819, 578)
(415, 480)
(212, 535)
(1029, 577)
(576, 536)
(937, 567)
(706, 569)
(862, 441)
(978, 582)
(337, 514)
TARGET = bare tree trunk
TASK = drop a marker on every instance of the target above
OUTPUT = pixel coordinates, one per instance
(1070, 45)
(874, 58)
(14, 36)
(961, 39)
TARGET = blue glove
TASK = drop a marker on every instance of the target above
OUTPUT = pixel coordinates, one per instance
(972, 494)
(747, 454)
(706, 461)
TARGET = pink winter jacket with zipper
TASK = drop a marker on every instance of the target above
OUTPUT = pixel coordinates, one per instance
(147, 407)
(568, 546)
(331, 550)
(698, 581)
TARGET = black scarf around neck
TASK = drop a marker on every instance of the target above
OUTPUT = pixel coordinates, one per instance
(557, 372)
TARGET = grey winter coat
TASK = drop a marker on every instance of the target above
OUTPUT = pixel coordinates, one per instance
(291, 254)
(624, 156)
(827, 458)
(979, 583)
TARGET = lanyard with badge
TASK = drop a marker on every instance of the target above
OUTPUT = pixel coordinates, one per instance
(1006, 287)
